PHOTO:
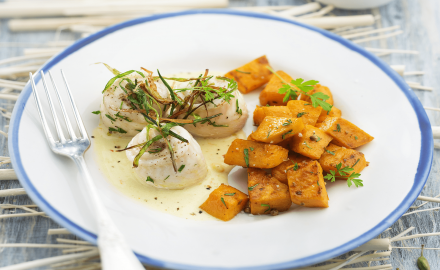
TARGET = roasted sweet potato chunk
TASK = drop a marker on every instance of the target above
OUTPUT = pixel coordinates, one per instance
(266, 193)
(263, 111)
(345, 133)
(319, 88)
(225, 202)
(252, 75)
(270, 94)
(255, 154)
(310, 142)
(334, 112)
(277, 129)
(305, 111)
(280, 171)
(347, 157)
(306, 184)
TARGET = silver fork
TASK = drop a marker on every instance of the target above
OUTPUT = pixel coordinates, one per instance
(114, 250)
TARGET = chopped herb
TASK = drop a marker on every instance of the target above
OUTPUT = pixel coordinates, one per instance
(245, 72)
(301, 114)
(355, 137)
(344, 172)
(305, 104)
(267, 105)
(252, 187)
(287, 133)
(268, 133)
(330, 152)
(166, 178)
(246, 157)
(149, 179)
(138, 130)
(238, 110)
(295, 167)
(120, 130)
(356, 162)
(111, 118)
(156, 150)
(338, 128)
(317, 182)
(288, 122)
(229, 194)
(96, 112)
(266, 205)
(123, 117)
(181, 168)
(223, 201)
(120, 107)
(305, 143)
(252, 149)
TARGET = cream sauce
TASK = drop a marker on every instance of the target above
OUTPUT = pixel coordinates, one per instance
(182, 203)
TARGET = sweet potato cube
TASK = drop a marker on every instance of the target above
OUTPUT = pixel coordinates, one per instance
(345, 133)
(310, 142)
(252, 75)
(263, 111)
(347, 157)
(334, 112)
(305, 111)
(270, 94)
(255, 154)
(277, 129)
(266, 193)
(306, 185)
(280, 171)
(225, 202)
(319, 88)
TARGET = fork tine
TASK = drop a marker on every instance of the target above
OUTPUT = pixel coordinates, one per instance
(63, 109)
(46, 129)
(75, 110)
(52, 109)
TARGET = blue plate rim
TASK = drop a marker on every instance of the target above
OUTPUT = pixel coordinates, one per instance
(423, 169)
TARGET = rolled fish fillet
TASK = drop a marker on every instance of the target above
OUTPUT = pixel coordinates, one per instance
(232, 119)
(116, 110)
(155, 166)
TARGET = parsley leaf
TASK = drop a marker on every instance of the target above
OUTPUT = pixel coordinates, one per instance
(288, 122)
(318, 100)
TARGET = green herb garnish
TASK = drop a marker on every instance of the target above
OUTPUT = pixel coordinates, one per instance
(156, 150)
(338, 128)
(266, 205)
(287, 133)
(252, 187)
(288, 122)
(268, 133)
(149, 179)
(181, 168)
(245, 72)
(238, 110)
(111, 118)
(252, 149)
(120, 130)
(355, 137)
(96, 112)
(223, 201)
(229, 194)
(344, 172)
(123, 117)
(330, 152)
(301, 114)
(246, 157)
(356, 162)
(305, 143)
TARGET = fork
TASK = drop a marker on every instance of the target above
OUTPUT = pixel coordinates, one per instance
(114, 250)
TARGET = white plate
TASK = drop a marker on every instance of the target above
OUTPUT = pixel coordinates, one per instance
(367, 91)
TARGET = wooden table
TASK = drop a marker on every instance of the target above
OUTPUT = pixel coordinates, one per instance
(420, 21)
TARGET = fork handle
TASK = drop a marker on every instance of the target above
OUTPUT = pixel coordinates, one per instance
(114, 250)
